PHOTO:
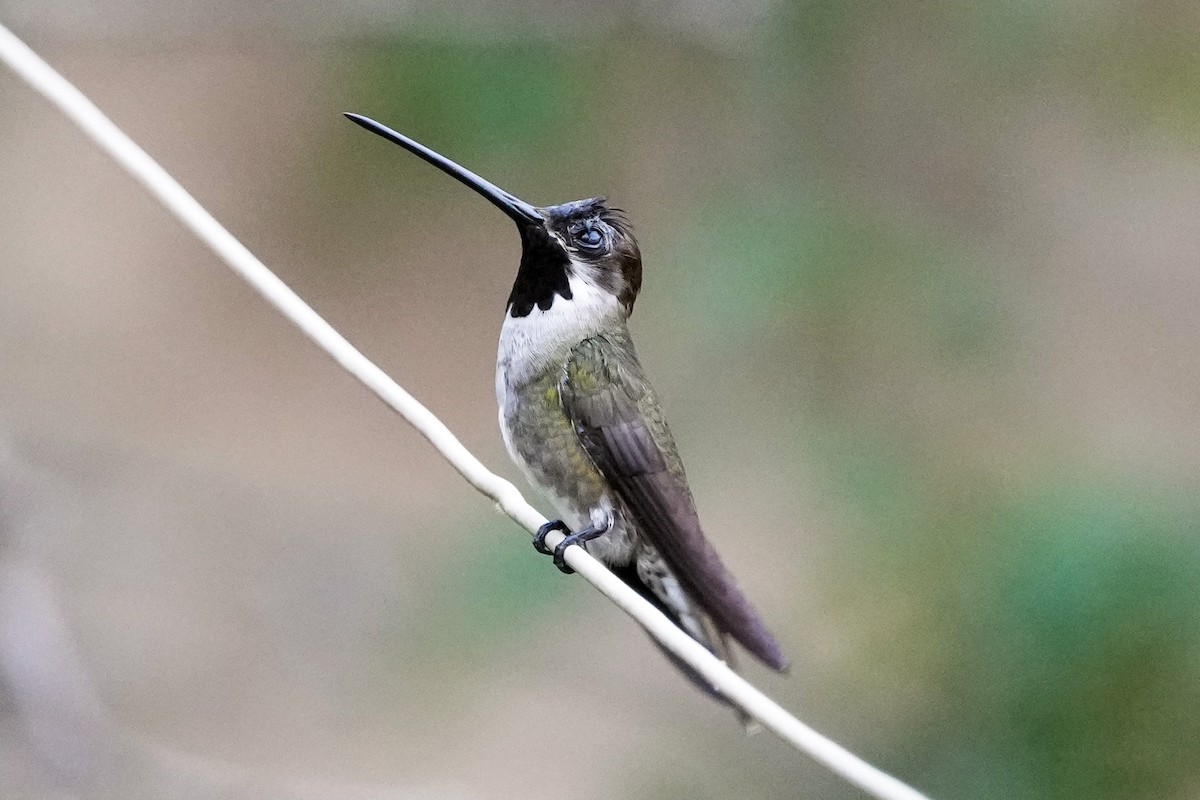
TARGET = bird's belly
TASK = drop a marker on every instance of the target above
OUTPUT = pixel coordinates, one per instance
(541, 439)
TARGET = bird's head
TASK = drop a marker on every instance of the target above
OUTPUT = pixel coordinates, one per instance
(583, 241)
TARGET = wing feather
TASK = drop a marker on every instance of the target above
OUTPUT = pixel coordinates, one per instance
(620, 426)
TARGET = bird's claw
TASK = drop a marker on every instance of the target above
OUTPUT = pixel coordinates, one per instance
(579, 537)
(539, 538)
(558, 556)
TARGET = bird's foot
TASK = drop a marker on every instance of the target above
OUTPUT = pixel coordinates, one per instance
(539, 541)
(579, 537)
(539, 538)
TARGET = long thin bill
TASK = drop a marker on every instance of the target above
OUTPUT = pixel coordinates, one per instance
(518, 210)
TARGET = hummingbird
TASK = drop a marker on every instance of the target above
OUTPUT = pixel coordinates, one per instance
(582, 422)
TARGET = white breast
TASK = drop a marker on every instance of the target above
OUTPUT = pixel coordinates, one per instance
(540, 340)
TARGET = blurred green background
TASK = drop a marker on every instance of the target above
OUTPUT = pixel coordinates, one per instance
(921, 300)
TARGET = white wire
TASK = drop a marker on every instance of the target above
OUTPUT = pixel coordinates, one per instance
(38, 74)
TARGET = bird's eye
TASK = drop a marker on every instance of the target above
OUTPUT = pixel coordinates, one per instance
(590, 239)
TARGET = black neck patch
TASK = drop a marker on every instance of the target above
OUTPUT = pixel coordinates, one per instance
(542, 274)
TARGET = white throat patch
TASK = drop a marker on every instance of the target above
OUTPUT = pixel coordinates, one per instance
(540, 340)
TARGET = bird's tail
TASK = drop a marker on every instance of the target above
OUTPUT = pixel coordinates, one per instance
(703, 630)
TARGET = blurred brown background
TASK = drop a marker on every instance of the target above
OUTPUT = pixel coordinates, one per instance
(921, 300)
